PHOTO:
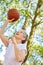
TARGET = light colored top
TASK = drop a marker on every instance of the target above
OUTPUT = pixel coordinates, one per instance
(10, 54)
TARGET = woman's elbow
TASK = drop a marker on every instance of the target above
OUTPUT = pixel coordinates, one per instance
(20, 59)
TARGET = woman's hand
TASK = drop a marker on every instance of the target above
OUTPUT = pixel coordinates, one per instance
(7, 20)
(13, 40)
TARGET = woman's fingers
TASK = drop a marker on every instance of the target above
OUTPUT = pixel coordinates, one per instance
(11, 20)
(7, 20)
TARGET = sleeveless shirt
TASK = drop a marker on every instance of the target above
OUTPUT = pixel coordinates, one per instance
(10, 58)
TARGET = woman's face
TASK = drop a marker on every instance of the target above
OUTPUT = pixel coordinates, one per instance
(20, 35)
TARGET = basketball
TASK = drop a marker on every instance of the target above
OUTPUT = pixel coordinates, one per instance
(13, 14)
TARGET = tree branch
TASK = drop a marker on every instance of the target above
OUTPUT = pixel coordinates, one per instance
(37, 24)
(24, 26)
(32, 30)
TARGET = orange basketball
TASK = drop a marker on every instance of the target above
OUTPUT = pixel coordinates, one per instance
(13, 14)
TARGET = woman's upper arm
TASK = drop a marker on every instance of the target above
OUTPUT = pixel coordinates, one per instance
(22, 55)
(4, 40)
(23, 52)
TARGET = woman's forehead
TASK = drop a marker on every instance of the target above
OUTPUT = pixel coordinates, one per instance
(22, 32)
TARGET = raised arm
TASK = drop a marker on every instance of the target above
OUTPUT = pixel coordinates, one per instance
(20, 54)
(5, 25)
(3, 38)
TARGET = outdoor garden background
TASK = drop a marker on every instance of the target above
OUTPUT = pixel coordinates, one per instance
(31, 19)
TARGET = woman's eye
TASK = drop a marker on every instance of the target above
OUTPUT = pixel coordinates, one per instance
(17, 33)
